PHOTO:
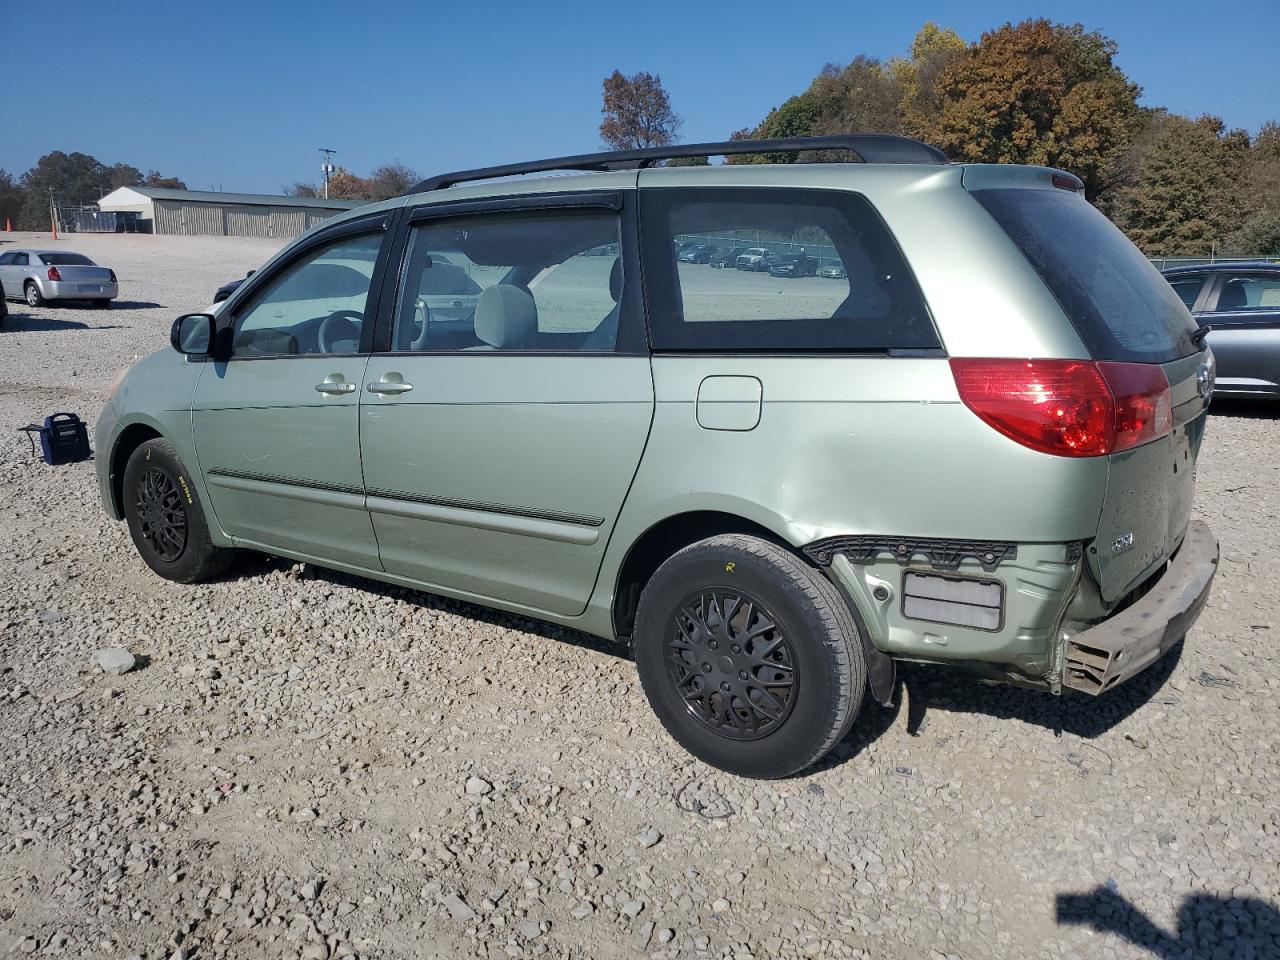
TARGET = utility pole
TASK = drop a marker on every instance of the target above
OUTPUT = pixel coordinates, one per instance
(53, 215)
(327, 168)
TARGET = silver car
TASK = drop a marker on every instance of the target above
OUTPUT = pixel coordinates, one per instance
(39, 275)
(1239, 303)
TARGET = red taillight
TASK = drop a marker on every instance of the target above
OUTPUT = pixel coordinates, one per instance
(1144, 402)
(1069, 408)
(53, 273)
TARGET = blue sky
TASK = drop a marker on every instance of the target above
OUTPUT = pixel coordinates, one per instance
(239, 95)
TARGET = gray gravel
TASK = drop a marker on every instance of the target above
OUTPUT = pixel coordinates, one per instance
(303, 764)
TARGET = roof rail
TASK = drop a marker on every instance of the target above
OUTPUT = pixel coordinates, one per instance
(870, 148)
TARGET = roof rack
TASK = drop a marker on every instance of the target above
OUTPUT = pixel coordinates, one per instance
(870, 148)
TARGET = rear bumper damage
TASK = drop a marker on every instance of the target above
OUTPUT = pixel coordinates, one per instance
(1116, 649)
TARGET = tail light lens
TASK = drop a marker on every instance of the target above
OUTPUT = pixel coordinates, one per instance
(112, 275)
(53, 274)
(1069, 408)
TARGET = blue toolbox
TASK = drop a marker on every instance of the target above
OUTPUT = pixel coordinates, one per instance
(63, 439)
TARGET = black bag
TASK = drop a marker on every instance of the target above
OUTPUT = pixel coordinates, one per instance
(63, 439)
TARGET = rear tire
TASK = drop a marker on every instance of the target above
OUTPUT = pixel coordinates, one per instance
(34, 297)
(165, 519)
(750, 657)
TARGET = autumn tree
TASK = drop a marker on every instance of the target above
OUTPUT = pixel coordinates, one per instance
(637, 112)
(1187, 193)
(1259, 230)
(1039, 93)
(860, 97)
(345, 185)
(933, 49)
(865, 96)
(391, 180)
(156, 179)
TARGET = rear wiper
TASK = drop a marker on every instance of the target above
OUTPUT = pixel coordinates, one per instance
(1202, 331)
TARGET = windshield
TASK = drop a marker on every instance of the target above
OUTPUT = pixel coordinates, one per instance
(1120, 305)
(66, 260)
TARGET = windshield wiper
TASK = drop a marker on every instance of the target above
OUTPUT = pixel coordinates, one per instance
(1202, 331)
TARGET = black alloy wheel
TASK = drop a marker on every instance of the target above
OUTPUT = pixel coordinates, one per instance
(731, 663)
(161, 514)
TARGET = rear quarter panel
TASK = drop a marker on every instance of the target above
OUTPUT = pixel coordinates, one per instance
(853, 445)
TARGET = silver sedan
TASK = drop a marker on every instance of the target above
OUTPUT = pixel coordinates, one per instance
(39, 275)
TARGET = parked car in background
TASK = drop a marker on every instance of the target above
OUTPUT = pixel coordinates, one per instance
(795, 265)
(753, 259)
(40, 275)
(833, 269)
(771, 492)
(698, 253)
(725, 257)
(4, 307)
(227, 289)
(1240, 303)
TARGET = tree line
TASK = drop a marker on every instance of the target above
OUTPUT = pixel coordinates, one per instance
(71, 179)
(1035, 92)
(78, 179)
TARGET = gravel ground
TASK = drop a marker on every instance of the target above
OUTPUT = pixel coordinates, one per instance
(306, 764)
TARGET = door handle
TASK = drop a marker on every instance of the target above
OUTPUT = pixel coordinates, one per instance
(335, 386)
(391, 387)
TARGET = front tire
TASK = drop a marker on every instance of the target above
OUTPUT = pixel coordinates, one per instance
(165, 519)
(750, 657)
(34, 297)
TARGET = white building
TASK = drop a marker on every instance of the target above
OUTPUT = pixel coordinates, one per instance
(209, 213)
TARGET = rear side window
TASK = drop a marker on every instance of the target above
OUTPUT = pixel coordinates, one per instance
(548, 281)
(763, 289)
(1245, 293)
(1120, 305)
(1187, 288)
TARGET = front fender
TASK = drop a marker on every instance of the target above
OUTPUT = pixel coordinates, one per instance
(155, 394)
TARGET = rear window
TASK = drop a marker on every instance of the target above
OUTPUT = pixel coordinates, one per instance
(770, 297)
(66, 260)
(1120, 305)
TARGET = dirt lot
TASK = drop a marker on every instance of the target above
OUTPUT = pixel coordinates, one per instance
(311, 765)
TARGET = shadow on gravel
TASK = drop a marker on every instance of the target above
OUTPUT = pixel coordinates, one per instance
(1240, 928)
(1087, 717)
(28, 324)
(1245, 409)
(87, 305)
(256, 565)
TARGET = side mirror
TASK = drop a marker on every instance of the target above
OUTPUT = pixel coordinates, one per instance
(192, 334)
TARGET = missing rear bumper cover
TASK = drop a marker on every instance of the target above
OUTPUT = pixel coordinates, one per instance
(943, 554)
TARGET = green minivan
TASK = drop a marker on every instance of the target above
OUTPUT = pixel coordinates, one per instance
(972, 442)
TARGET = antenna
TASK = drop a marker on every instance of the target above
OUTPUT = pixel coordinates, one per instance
(327, 168)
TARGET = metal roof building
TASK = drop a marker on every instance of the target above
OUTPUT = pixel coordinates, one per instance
(211, 213)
